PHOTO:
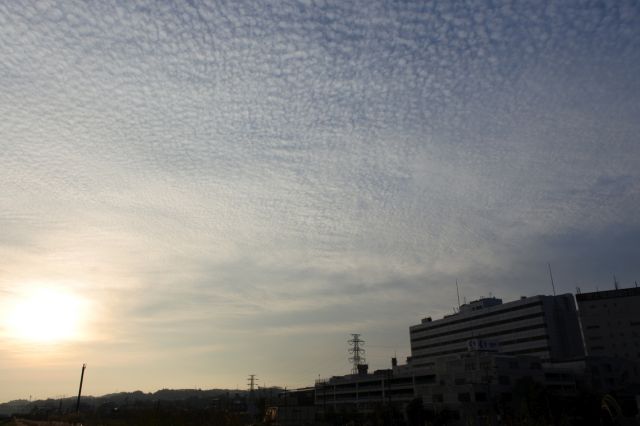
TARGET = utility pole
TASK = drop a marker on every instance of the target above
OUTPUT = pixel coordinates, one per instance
(84, 367)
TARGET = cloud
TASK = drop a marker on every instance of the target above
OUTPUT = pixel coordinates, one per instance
(238, 174)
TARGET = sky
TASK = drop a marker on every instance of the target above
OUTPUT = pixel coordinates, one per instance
(192, 192)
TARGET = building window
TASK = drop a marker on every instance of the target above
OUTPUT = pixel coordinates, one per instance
(513, 364)
(504, 380)
(422, 380)
(481, 397)
(461, 381)
(437, 397)
(464, 397)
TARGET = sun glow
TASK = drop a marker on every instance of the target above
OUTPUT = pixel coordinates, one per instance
(46, 315)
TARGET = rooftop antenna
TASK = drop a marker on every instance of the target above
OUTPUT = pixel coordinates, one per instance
(615, 282)
(84, 367)
(357, 352)
(553, 287)
(458, 292)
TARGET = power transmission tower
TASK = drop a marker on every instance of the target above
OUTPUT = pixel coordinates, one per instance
(251, 403)
(357, 352)
(252, 382)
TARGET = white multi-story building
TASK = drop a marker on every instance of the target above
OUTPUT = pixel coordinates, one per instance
(546, 327)
(611, 322)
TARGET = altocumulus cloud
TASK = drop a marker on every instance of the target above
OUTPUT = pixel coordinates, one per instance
(222, 177)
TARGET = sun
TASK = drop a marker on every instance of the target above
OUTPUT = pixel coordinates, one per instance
(44, 314)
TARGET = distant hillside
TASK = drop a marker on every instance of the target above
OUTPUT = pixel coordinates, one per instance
(191, 397)
(16, 406)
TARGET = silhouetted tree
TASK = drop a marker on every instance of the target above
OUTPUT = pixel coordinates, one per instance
(415, 412)
(531, 402)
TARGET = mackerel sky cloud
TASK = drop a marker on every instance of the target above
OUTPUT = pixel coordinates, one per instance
(234, 187)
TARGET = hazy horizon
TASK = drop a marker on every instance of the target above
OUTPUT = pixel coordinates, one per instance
(74, 397)
(194, 192)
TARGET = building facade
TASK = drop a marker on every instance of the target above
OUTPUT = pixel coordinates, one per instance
(472, 367)
(611, 322)
(546, 327)
(469, 388)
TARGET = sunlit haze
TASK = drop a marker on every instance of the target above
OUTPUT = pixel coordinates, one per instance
(43, 314)
(192, 192)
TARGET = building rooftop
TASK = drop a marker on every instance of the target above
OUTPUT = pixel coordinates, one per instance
(482, 303)
(608, 294)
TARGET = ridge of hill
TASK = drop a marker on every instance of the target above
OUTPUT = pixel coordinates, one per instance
(195, 397)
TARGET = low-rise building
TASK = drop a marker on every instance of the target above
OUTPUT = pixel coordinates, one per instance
(466, 387)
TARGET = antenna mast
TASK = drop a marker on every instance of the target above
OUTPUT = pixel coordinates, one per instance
(551, 276)
(458, 291)
(357, 352)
